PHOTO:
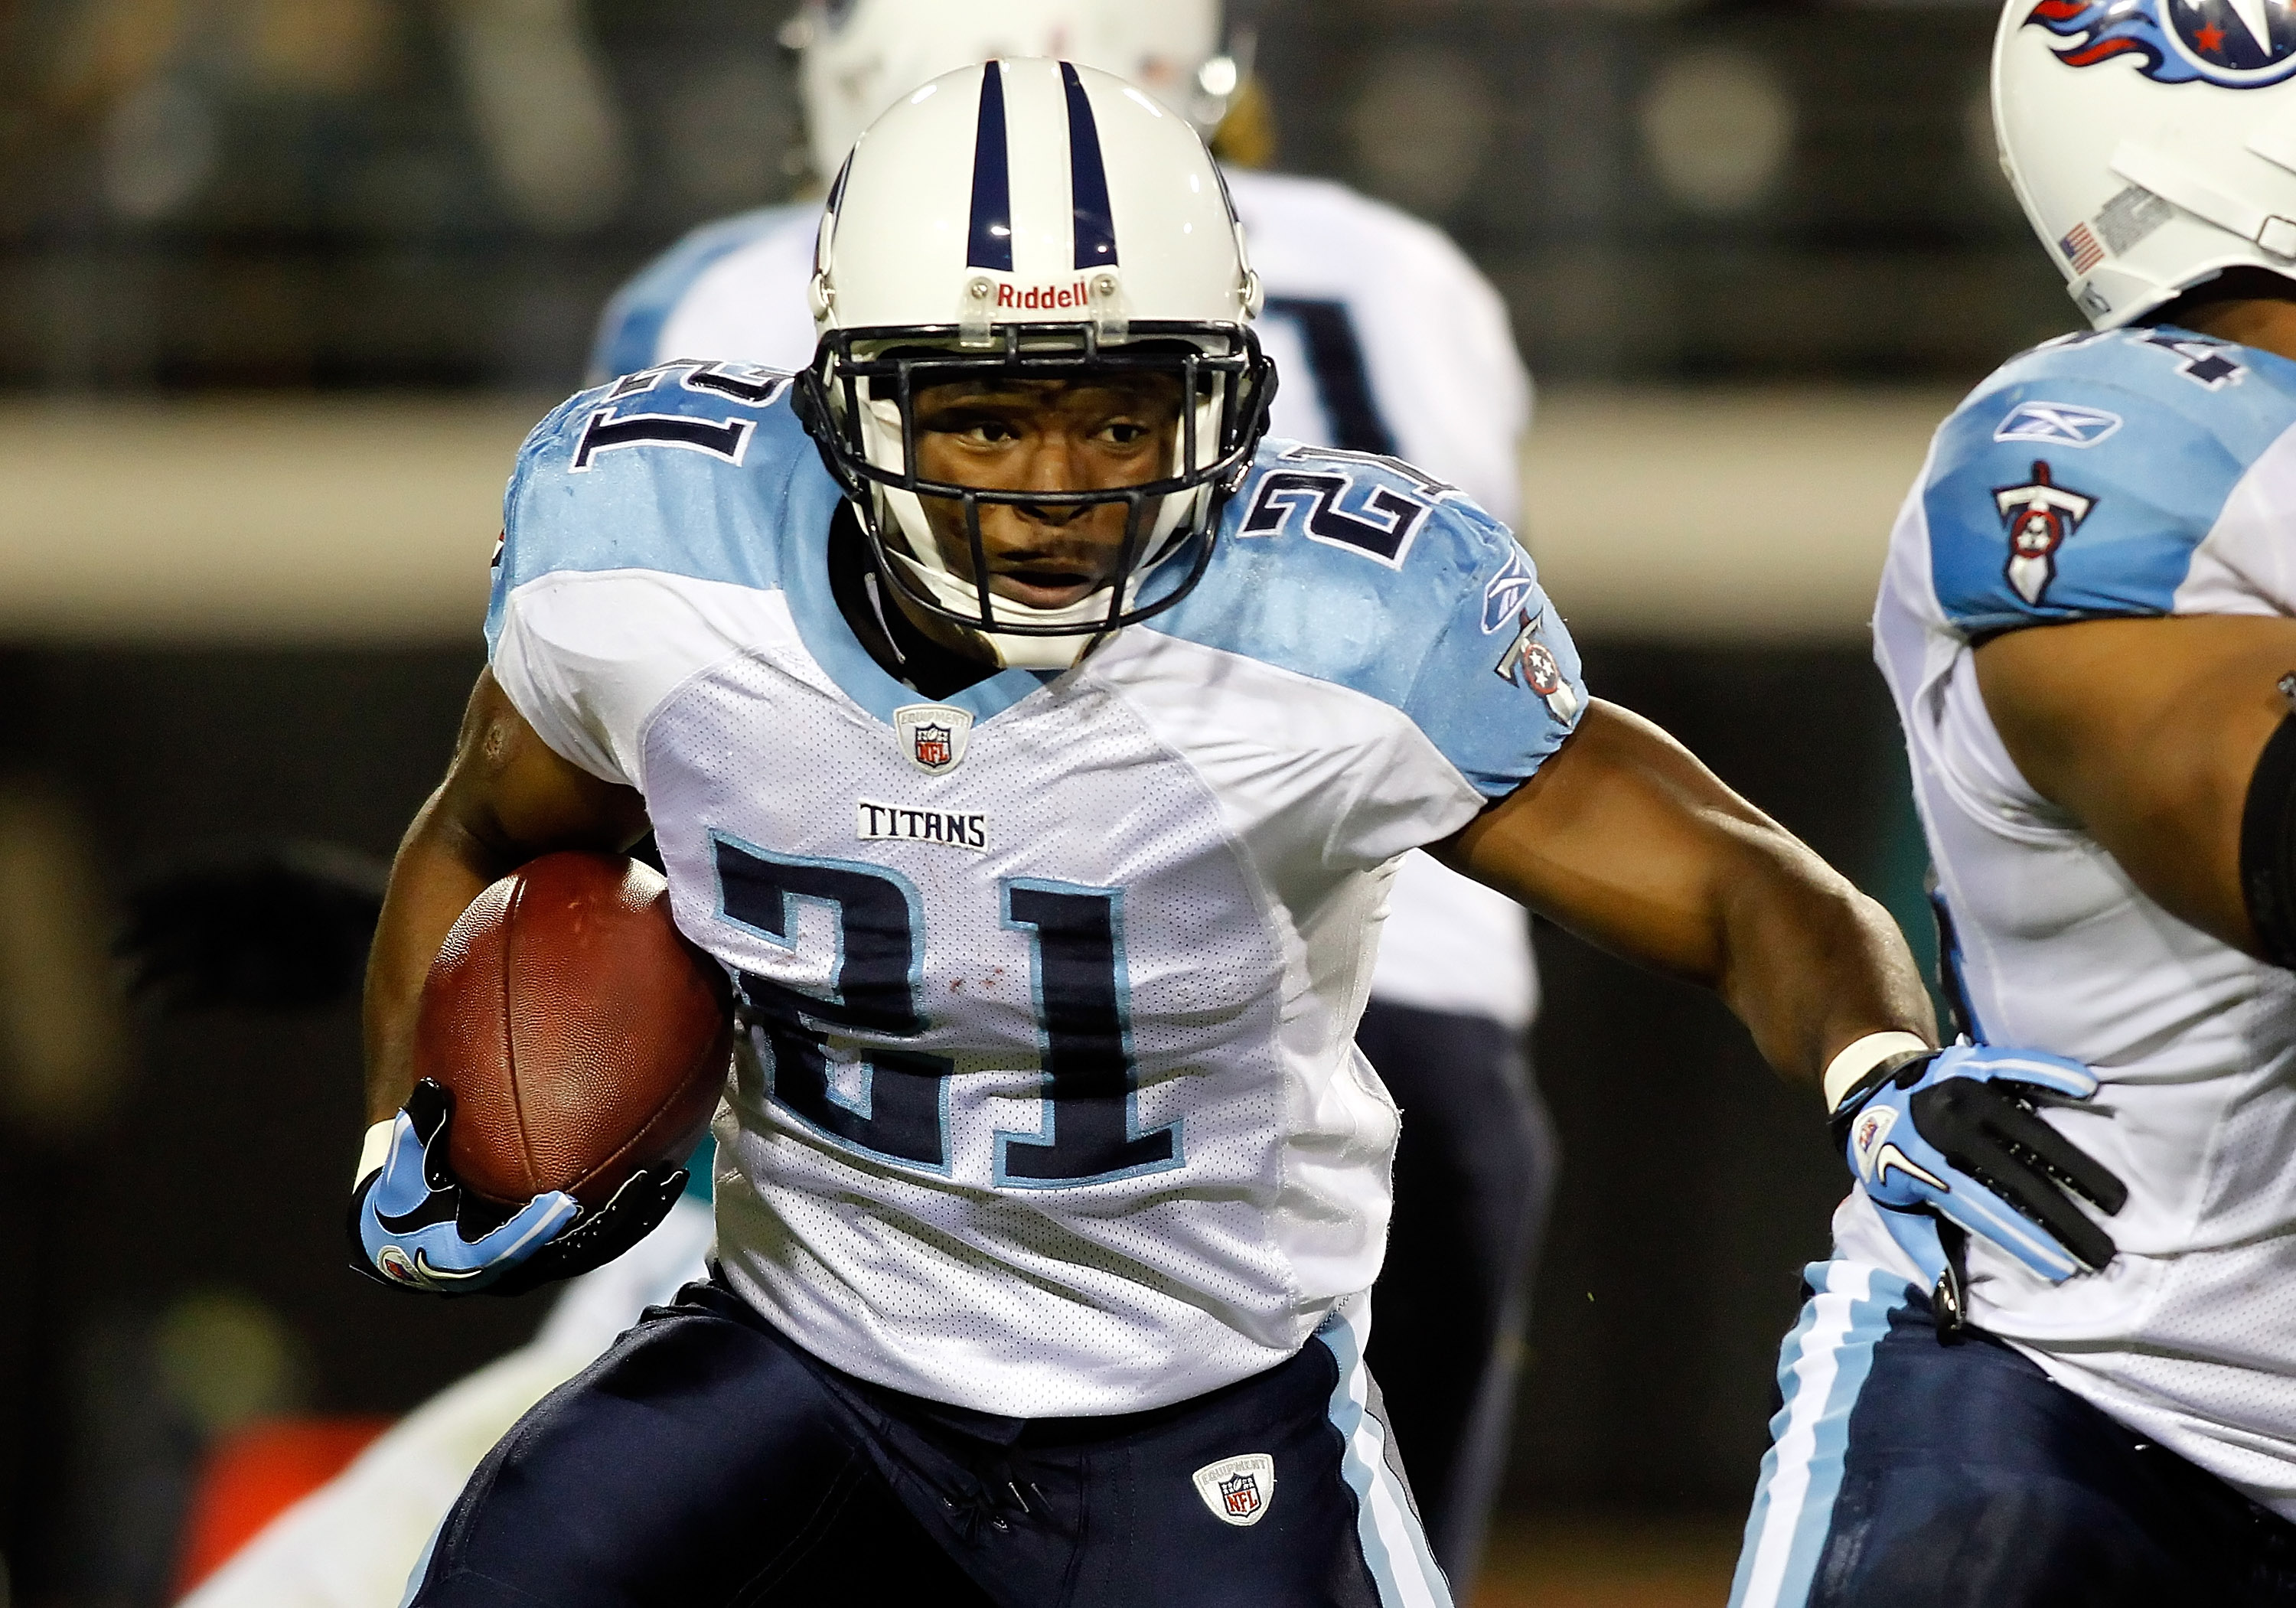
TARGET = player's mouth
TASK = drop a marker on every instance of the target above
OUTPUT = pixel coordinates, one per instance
(1044, 586)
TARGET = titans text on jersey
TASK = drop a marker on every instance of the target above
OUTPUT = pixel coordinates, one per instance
(1084, 1056)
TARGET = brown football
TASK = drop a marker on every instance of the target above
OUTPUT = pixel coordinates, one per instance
(581, 1036)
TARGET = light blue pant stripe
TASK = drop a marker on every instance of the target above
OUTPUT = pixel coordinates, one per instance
(1821, 1368)
(1393, 1544)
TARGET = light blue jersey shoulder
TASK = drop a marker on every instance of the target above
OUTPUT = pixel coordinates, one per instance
(1362, 570)
(2078, 482)
(690, 469)
(629, 330)
(1348, 568)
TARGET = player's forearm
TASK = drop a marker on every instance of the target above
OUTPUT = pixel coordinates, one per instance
(1810, 964)
(440, 868)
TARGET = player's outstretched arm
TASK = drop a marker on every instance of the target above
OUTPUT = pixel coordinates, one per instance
(2152, 735)
(506, 799)
(1625, 839)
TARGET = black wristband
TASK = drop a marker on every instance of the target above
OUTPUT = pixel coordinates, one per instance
(2267, 847)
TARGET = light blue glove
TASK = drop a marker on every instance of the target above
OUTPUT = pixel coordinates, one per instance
(403, 1218)
(1952, 1135)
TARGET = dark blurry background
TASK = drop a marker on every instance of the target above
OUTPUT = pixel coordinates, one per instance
(348, 193)
(279, 280)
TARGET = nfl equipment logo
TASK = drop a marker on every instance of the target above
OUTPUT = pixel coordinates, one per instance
(933, 736)
(1238, 1489)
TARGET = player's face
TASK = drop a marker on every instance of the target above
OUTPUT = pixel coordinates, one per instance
(1004, 434)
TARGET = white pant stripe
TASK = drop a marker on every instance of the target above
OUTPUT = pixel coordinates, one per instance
(1393, 1543)
(1787, 1527)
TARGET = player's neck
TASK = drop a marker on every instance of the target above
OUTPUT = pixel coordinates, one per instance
(901, 647)
(2266, 323)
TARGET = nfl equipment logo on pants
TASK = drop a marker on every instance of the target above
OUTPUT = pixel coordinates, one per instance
(1238, 1489)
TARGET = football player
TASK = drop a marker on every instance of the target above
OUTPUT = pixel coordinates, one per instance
(1390, 342)
(1033, 742)
(2085, 621)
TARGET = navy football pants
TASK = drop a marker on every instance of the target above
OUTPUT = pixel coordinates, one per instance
(1474, 1172)
(706, 1459)
(1905, 1473)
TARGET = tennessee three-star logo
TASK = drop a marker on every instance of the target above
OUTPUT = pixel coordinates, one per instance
(2232, 44)
(2039, 516)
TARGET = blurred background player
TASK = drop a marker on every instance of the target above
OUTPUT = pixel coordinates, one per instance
(1389, 343)
(2085, 622)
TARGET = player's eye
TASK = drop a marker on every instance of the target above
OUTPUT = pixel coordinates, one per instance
(1123, 433)
(978, 430)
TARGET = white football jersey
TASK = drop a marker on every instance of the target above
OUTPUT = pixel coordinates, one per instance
(1047, 1101)
(1388, 340)
(2136, 472)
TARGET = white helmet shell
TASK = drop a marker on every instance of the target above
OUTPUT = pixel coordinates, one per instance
(1028, 191)
(1047, 218)
(859, 57)
(2153, 143)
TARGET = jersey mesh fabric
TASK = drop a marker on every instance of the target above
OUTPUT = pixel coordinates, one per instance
(2166, 458)
(1231, 788)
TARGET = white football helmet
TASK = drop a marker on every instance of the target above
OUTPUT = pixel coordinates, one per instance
(858, 57)
(1043, 219)
(2153, 143)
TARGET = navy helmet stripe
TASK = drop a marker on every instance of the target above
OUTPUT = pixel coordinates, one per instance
(992, 179)
(1095, 227)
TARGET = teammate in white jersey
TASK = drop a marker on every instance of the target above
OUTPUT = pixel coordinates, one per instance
(1034, 745)
(1390, 342)
(2085, 622)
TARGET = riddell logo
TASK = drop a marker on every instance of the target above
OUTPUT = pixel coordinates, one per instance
(1043, 297)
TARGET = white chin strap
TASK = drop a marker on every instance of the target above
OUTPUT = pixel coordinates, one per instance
(880, 434)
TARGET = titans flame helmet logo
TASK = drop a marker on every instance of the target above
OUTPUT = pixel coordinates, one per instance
(2232, 44)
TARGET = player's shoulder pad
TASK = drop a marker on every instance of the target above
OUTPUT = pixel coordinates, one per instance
(2078, 482)
(629, 330)
(1362, 570)
(692, 469)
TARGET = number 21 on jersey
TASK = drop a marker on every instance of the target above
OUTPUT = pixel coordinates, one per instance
(894, 1103)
